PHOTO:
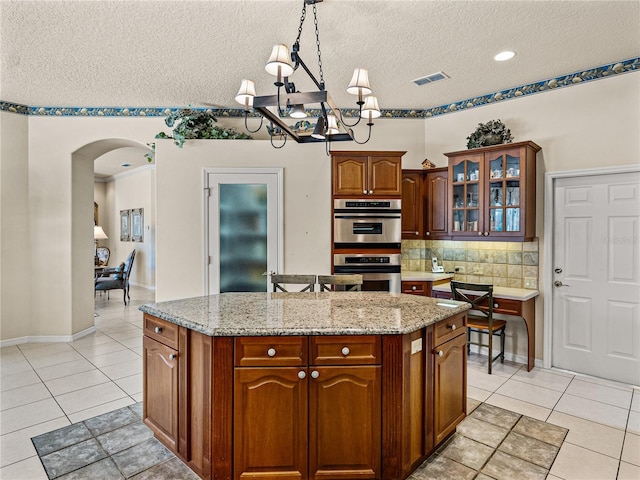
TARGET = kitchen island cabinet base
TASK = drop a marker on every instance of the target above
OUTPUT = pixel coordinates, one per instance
(397, 378)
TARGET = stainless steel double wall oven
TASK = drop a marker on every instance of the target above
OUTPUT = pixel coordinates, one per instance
(367, 237)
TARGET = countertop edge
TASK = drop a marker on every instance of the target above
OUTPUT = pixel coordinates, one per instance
(442, 313)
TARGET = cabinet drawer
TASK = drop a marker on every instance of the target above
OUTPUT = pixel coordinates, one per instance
(507, 306)
(449, 328)
(271, 351)
(161, 330)
(345, 350)
(416, 288)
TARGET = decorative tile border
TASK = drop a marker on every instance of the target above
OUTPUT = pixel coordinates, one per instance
(562, 81)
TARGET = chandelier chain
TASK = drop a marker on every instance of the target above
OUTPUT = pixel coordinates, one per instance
(315, 21)
(302, 18)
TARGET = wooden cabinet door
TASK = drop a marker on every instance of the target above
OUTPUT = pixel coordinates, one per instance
(436, 205)
(350, 175)
(345, 424)
(160, 391)
(412, 205)
(385, 176)
(450, 386)
(270, 423)
(466, 195)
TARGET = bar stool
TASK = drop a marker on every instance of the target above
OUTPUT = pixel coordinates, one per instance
(481, 320)
(346, 282)
(308, 280)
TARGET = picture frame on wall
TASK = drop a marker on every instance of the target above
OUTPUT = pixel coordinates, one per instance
(137, 224)
(125, 232)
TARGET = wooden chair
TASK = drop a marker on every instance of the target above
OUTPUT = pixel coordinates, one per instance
(308, 280)
(103, 254)
(116, 278)
(346, 282)
(480, 317)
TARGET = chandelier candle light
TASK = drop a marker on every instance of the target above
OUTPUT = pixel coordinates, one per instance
(291, 103)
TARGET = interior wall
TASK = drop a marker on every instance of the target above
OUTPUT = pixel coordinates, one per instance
(15, 255)
(51, 144)
(593, 125)
(134, 189)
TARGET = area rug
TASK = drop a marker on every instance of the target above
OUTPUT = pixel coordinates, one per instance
(491, 443)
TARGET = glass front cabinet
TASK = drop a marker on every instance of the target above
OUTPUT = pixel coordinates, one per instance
(492, 192)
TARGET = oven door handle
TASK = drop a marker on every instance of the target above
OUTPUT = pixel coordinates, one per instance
(366, 269)
(366, 215)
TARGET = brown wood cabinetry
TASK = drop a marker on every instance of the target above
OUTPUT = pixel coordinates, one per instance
(420, 287)
(160, 391)
(304, 407)
(492, 192)
(450, 385)
(301, 417)
(424, 204)
(177, 390)
(364, 174)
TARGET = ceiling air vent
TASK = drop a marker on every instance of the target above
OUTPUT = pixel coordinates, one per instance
(433, 77)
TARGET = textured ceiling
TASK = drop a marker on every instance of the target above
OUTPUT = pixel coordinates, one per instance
(176, 53)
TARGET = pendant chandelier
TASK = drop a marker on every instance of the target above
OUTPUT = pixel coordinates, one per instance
(288, 105)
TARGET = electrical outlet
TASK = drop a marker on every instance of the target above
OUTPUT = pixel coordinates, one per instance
(459, 269)
(530, 282)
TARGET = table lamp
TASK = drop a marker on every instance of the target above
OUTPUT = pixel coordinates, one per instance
(98, 234)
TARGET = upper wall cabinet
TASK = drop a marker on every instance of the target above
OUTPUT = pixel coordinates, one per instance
(424, 204)
(492, 192)
(367, 174)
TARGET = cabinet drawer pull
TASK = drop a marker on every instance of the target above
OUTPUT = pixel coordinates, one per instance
(452, 327)
(364, 191)
(495, 305)
(370, 192)
(427, 233)
(414, 288)
(271, 352)
(480, 234)
(301, 374)
(440, 353)
(345, 351)
(315, 374)
(417, 233)
(172, 356)
(158, 329)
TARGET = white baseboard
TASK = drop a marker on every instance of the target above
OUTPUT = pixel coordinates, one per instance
(47, 338)
(140, 285)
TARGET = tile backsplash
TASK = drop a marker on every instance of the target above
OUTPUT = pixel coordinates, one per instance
(503, 264)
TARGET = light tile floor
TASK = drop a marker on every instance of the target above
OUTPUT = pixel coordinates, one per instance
(46, 386)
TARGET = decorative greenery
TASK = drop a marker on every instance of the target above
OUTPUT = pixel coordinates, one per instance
(151, 155)
(188, 124)
(493, 132)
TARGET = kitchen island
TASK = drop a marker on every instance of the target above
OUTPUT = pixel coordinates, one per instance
(304, 385)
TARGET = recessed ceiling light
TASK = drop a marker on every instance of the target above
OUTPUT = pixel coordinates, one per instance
(125, 165)
(503, 56)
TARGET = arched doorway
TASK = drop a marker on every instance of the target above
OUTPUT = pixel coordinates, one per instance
(82, 242)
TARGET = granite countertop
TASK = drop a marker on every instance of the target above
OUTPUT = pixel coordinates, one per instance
(327, 313)
(416, 276)
(508, 293)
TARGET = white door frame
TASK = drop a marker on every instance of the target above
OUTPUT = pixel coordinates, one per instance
(278, 171)
(547, 274)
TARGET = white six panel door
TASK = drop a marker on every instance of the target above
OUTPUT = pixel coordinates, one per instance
(596, 262)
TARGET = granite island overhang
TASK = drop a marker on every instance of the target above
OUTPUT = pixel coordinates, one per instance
(304, 385)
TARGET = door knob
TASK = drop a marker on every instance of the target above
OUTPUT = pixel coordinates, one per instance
(271, 352)
(558, 283)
